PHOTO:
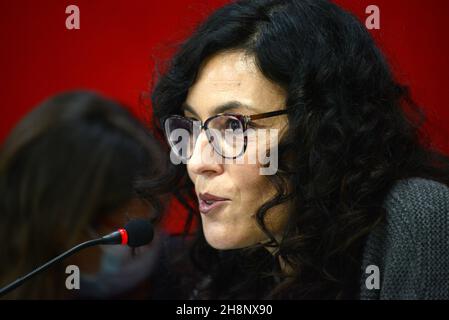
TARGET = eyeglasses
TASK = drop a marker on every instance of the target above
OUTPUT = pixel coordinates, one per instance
(226, 132)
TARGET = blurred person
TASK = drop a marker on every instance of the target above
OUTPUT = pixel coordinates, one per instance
(67, 175)
(358, 184)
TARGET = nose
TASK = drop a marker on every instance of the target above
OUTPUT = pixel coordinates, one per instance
(204, 160)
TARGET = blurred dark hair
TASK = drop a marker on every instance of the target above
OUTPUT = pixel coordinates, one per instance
(73, 160)
(353, 132)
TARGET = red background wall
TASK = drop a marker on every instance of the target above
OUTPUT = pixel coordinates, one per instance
(112, 52)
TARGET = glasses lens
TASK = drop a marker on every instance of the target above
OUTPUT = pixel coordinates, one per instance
(179, 132)
(226, 136)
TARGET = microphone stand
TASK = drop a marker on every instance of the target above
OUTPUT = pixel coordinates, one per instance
(47, 265)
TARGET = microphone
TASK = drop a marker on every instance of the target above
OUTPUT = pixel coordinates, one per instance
(136, 233)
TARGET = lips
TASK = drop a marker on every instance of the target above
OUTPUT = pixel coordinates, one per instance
(208, 202)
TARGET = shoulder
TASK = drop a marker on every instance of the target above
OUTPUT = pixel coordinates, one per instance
(417, 210)
(418, 207)
(410, 247)
(416, 200)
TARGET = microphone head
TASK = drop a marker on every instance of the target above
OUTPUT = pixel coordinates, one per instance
(140, 232)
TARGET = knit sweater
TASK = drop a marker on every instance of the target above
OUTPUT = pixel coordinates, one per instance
(411, 248)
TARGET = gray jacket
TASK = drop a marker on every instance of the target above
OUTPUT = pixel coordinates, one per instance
(410, 250)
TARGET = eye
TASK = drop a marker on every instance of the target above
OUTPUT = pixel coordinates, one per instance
(232, 124)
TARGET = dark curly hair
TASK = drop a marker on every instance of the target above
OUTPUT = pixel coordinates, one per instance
(353, 132)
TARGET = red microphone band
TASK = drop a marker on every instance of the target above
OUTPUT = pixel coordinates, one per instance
(124, 235)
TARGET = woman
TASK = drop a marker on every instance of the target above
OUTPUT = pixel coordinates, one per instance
(68, 173)
(356, 188)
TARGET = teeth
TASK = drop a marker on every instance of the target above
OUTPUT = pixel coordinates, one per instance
(208, 202)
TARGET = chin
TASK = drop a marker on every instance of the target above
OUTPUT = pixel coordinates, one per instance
(227, 241)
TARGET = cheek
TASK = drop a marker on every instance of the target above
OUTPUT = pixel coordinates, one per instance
(249, 185)
(236, 226)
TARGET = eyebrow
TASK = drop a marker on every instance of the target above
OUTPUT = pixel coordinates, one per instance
(222, 108)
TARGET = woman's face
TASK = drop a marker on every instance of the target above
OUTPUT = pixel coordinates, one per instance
(224, 78)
